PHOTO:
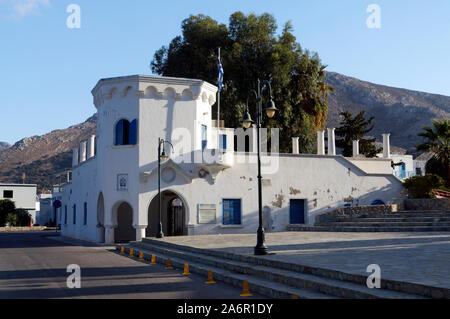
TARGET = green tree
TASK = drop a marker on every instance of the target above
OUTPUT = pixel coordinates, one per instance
(422, 186)
(251, 50)
(437, 142)
(355, 128)
(12, 219)
(6, 207)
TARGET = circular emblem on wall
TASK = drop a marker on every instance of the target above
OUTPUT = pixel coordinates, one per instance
(168, 174)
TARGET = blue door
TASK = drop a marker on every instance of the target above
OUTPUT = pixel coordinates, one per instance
(232, 214)
(297, 211)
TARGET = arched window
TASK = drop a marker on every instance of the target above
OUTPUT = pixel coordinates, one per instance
(126, 133)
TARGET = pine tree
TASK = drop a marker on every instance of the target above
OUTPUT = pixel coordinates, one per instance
(355, 128)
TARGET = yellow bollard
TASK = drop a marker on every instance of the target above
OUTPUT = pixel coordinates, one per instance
(169, 264)
(122, 250)
(245, 289)
(186, 269)
(295, 297)
(153, 261)
(131, 252)
(210, 278)
(141, 255)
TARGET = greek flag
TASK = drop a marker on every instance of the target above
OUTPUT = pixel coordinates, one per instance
(220, 79)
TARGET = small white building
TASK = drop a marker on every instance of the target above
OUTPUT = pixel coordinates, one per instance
(23, 195)
(45, 213)
(113, 194)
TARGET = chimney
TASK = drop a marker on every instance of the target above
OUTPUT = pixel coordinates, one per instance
(75, 156)
(331, 142)
(355, 148)
(91, 147)
(320, 142)
(83, 151)
(386, 146)
(295, 145)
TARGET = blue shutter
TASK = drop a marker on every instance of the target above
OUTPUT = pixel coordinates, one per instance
(232, 212)
(133, 133)
(119, 133)
(223, 142)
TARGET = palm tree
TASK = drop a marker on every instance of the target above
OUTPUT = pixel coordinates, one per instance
(438, 142)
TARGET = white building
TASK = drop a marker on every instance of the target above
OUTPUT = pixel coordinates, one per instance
(113, 193)
(23, 195)
(44, 211)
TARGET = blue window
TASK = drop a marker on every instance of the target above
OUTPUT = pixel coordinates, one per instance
(223, 142)
(204, 136)
(133, 133)
(85, 214)
(232, 214)
(74, 214)
(297, 211)
(65, 215)
(126, 133)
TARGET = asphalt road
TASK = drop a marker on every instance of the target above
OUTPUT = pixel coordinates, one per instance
(33, 265)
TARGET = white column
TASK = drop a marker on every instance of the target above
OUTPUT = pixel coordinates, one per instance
(91, 147)
(331, 142)
(295, 145)
(320, 142)
(355, 148)
(140, 232)
(109, 235)
(83, 151)
(386, 146)
(75, 156)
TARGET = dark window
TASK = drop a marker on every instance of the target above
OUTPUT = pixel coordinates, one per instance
(232, 214)
(297, 211)
(85, 214)
(418, 171)
(247, 143)
(8, 194)
(65, 215)
(122, 132)
(204, 137)
(74, 214)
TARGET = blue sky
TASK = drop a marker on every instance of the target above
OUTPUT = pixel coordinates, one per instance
(48, 70)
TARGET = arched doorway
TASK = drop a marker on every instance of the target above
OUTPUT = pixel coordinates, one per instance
(124, 232)
(173, 215)
(100, 219)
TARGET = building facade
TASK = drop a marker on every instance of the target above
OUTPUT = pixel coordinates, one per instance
(209, 183)
(23, 196)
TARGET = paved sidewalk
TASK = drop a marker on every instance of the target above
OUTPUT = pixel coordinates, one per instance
(422, 258)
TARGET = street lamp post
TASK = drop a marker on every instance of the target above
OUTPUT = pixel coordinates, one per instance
(161, 156)
(260, 248)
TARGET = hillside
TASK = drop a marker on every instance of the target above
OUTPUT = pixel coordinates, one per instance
(397, 111)
(400, 112)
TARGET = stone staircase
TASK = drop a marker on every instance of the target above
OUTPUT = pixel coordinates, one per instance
(277, 279)
(384, 221)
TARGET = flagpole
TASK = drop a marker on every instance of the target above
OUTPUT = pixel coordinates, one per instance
(218, 114)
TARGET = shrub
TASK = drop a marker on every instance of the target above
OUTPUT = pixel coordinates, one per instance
(12, 219)
(6, 207)
(23, 217)
(422, 186)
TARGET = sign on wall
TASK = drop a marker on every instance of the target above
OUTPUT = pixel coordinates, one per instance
(122, 182)
(207, 214)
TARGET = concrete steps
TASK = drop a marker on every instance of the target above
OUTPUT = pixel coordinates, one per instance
(362, 229)
(402, 221)
(273, 278)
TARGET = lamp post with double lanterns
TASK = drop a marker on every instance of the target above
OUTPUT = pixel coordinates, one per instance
(161, 156)
(270, 109)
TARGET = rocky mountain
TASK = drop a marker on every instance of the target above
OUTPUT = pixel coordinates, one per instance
(400, 112)
(397, 111)
(4, 146)
(41, 157)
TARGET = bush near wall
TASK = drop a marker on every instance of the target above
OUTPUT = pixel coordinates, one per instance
(422, 186)
(12, 216)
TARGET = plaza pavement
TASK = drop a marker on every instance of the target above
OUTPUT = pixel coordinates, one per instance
(422, 258)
